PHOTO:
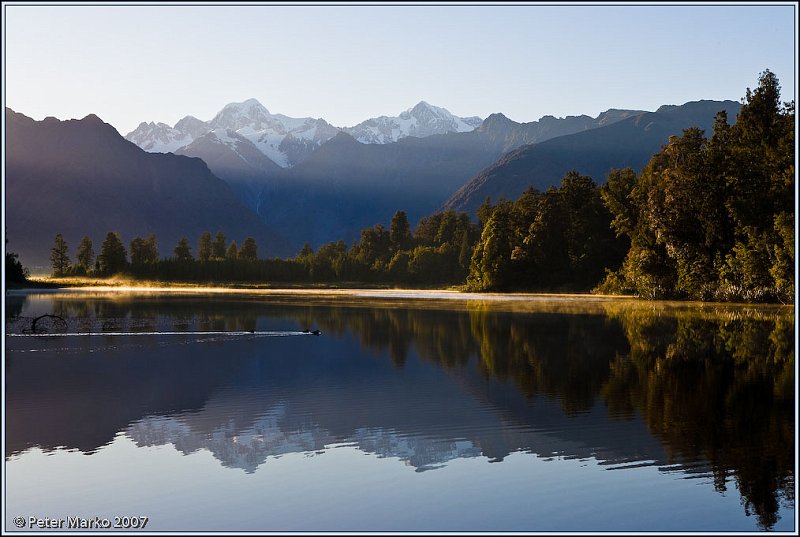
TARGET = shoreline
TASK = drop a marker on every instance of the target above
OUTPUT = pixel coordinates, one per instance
(394, 295)
(58, 285)
(367, 292)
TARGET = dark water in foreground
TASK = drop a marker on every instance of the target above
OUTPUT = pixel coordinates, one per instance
(404, 415)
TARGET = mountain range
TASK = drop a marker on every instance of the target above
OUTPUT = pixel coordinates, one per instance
(319, 192)
(288, 141)
(627, 143)
(287, 181)
(80, 177)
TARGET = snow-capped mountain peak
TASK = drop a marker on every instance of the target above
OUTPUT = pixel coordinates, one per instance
(421, 120)
(424, 110)
(192, 126)
(286, 140)
(235, 116)
(158, 137)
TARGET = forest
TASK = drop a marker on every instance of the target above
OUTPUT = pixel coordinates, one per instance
(708, 218)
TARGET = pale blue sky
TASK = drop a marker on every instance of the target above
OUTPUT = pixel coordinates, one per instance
(136, 63)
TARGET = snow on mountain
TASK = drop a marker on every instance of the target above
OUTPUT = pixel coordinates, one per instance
(283, 139)
(288, 141)
(159, 137)
(422, 120)
(275, 138)
(230, 138)
(192, 126)
(235, 116)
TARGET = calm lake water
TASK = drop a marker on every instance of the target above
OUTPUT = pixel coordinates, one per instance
(402, 415)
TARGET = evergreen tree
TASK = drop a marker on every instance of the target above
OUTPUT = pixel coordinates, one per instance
(249, 249)
(591, 245)
(85, 254)
(59, 257)
(232, 251)
(447, 228)
(307, 251)
(218, 248)
(151, 249)
(204, 246)
(760, 182)
(113, 257)
(144, 251)
(428, 227)
(545, 255)
(374, 249)
(183, 252)
(490, 269)
(484, 212)
(15, 272)
(400, 232)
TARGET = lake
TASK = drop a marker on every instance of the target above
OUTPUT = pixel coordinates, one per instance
(410, 411)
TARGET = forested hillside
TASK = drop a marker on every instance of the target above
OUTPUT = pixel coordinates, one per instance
(707, 218)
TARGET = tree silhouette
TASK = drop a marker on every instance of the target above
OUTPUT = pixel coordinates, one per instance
(183, 251)
(59, 257)
(113, 257)
(85, 254)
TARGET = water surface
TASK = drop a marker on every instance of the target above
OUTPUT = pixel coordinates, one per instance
(216, 412)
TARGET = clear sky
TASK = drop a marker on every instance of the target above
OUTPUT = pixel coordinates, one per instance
(133, 63)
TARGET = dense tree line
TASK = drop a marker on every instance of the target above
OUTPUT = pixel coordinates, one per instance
(707, 219)
(141, 258)
(713, 218)
(437, 252)
(555, 240)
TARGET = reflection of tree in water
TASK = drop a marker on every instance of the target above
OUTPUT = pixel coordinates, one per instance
(14, 306)
(717, 387)
(442, 337)
(561, 357)
(714, 385)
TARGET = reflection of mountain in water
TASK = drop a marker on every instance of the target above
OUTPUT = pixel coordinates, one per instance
(235, 447)
(706, 390)
(250, 448)
(294, 424)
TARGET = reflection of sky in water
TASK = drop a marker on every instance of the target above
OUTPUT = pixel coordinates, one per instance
(332, 433)
(345, 489)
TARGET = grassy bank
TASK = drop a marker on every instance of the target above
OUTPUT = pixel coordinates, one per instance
(128, 282)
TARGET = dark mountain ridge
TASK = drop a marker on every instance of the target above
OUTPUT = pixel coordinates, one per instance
(81, 177)
(629, 142)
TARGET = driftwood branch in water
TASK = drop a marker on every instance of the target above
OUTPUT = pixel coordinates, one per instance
(40, 317)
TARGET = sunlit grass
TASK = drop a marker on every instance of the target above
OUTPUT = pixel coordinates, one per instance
(125, 282)
(393, 296)
(121, 282)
